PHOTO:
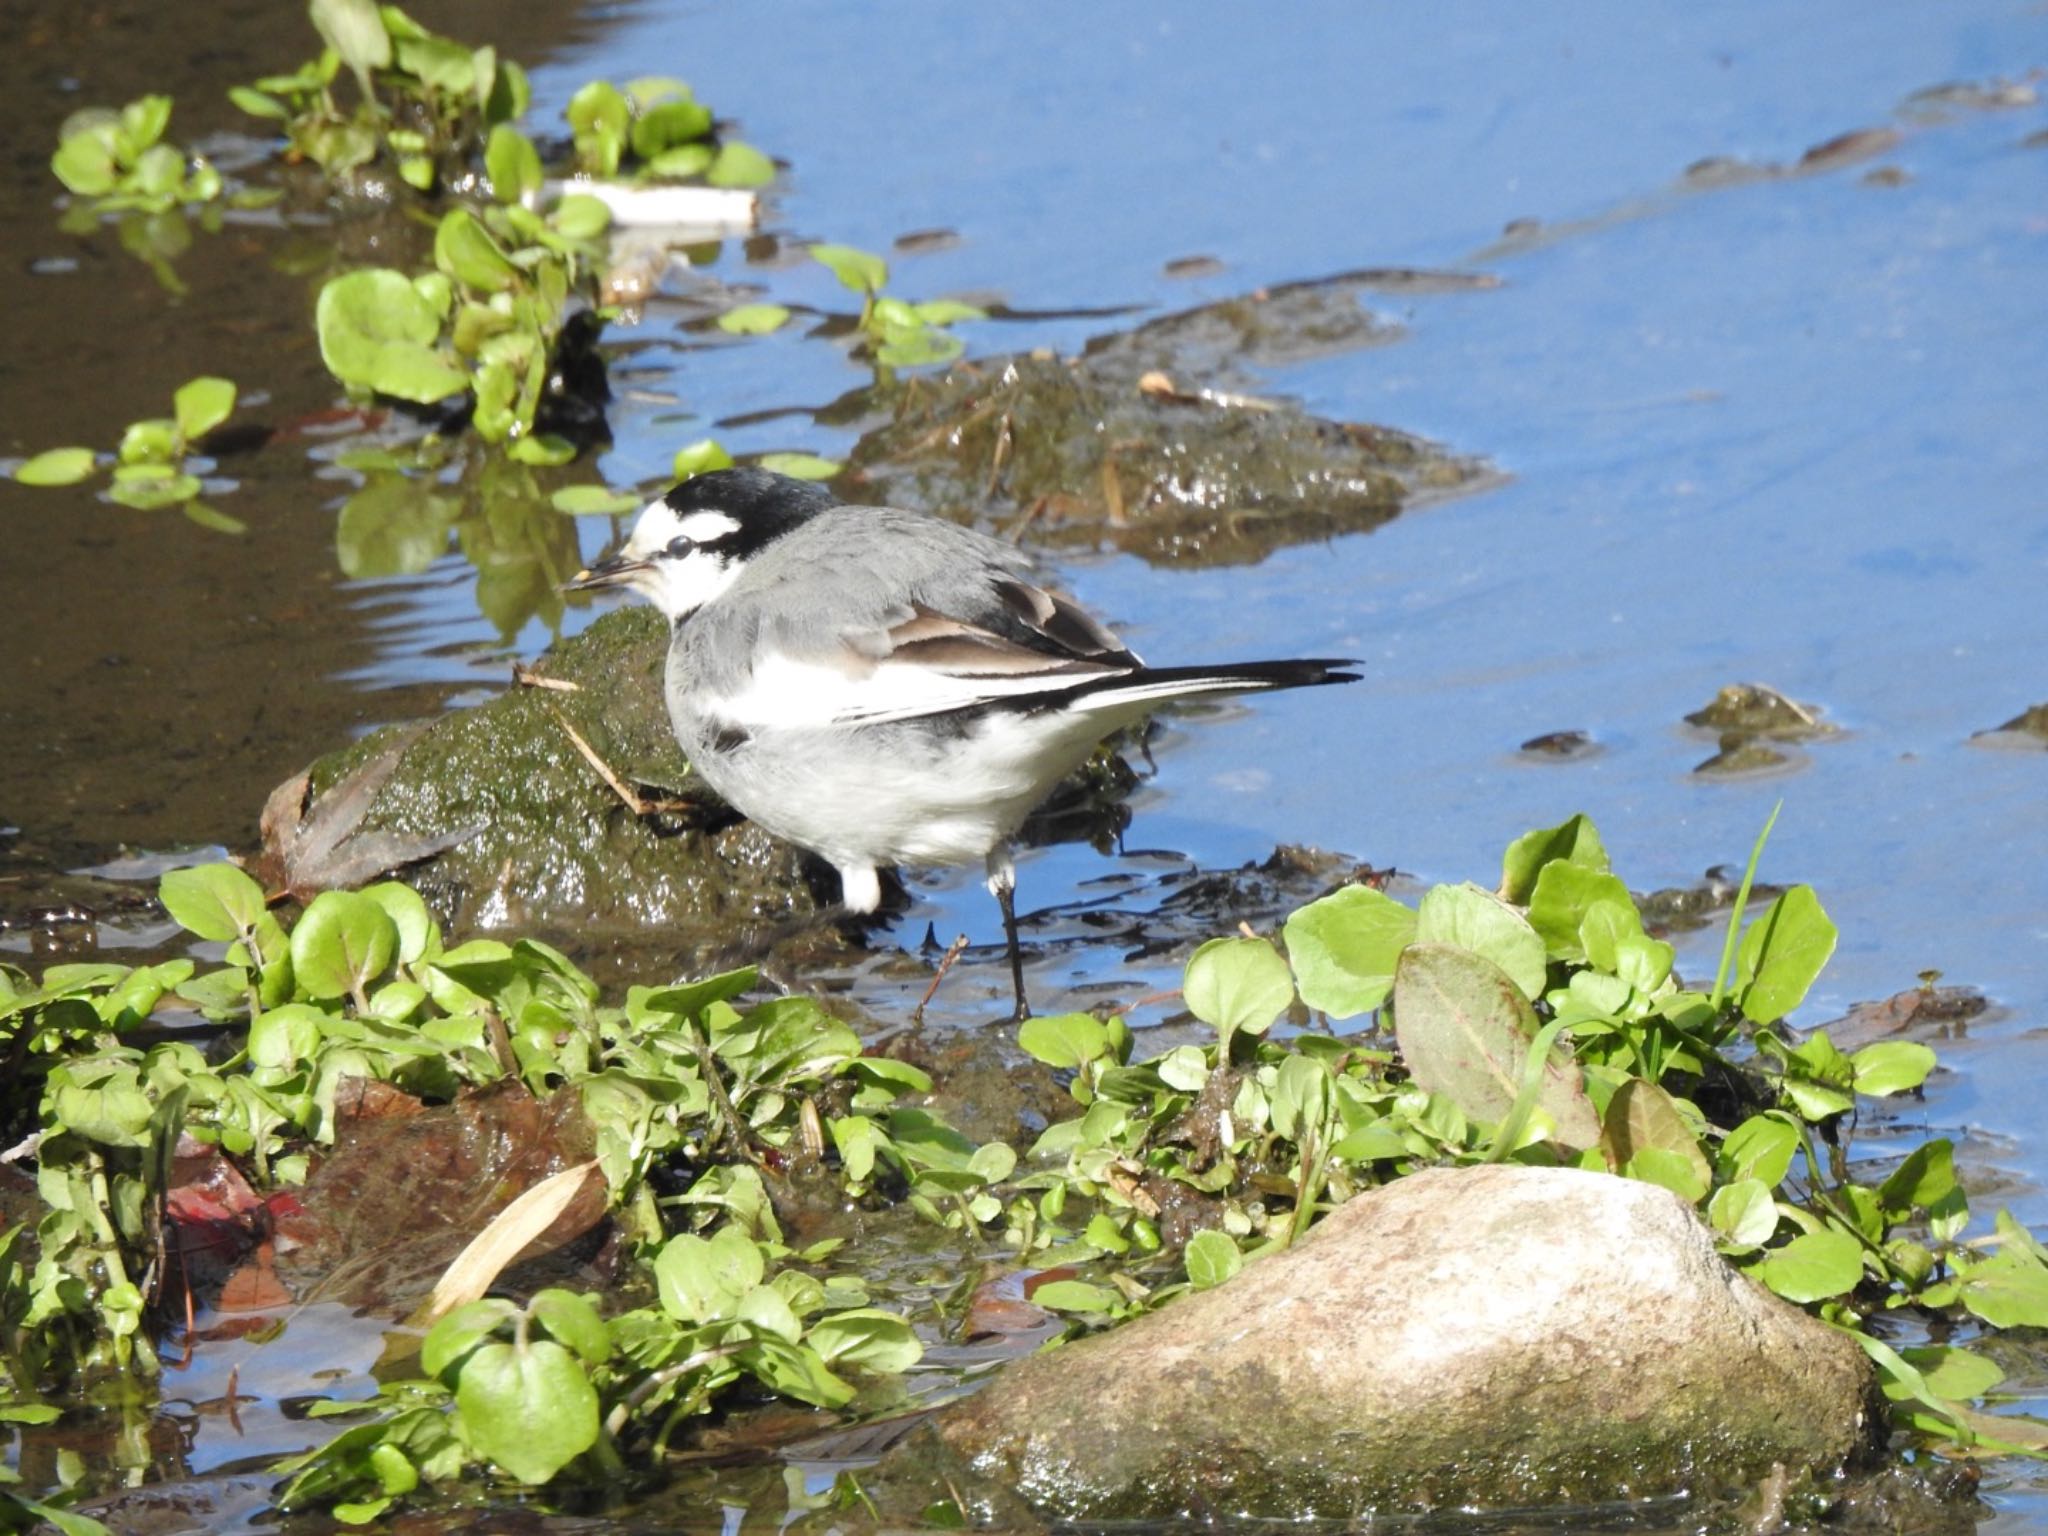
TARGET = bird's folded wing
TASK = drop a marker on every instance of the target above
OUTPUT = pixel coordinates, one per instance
(929, 663)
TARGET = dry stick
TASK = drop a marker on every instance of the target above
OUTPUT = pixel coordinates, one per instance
(638, 804)
(526, 677)
(997, 457)
(191, 1316)
(1154, 997)
(727, 1113)
(1113, 493)
(1018, 529)
(953, 952)
(953, 429)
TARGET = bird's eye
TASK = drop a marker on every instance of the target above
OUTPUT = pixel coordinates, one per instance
(680, 546)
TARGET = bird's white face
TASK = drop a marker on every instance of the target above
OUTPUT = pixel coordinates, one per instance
(674, 561)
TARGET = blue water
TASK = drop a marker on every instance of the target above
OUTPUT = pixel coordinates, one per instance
(1788, 431)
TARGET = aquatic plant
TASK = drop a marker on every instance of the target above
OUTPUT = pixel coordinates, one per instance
(150, 467)
(1537, 1022)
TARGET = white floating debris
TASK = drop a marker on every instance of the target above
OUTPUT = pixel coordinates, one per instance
(693, 213)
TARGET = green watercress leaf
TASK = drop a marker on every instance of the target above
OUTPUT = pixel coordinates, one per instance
(2007, 1290)
(1237, 985)
(800, 466)
(669, 124)
(344, 941)
(1211, 1258)
(865, 1337)
(1813, 1266)
(466, 251)
(56, 466)
(740, 165)
(754, 319)
(1479, 921)
(1891, 1066)
(1782, 954)
(530, 1410)
(355, 30)
(513, 164)
(1343, 949)
(1065, 1040)
(1744, 1213)
(377, 332)
(202, 404)
(700, 458)
(861, 271)
(579, 216)
(1558, 904)
(212, 901)
(1576, 841)
(595, 501)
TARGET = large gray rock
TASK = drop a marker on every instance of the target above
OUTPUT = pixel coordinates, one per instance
(1473, 1337)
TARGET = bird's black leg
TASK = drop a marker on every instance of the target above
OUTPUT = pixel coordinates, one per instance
(1002, 883)
(1008, 899)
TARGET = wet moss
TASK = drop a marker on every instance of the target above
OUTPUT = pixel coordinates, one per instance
(1754, 724)
(1146, 443)
(2028, 728)
(551, 847)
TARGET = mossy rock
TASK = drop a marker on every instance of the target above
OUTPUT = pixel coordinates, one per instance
(540, 843)
(1145, 443)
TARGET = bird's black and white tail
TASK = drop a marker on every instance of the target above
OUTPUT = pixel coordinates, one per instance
(1157, 685)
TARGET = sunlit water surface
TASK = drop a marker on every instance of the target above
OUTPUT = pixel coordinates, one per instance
(1786, 430)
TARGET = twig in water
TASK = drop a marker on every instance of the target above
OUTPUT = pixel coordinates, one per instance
(1022, 526)
(996, 458)
(953, 952)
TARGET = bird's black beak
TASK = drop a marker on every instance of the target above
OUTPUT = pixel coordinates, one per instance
(617, 571)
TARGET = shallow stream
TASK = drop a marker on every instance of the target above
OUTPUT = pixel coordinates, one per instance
(1766, 408)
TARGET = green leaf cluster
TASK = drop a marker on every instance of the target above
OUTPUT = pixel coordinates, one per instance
(485, 321)
(363, 986)
(895, 333)
(422, 103)
(149, 468)
(123, 164)
(656, 128)
(552, 1390)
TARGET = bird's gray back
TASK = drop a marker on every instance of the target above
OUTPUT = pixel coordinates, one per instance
(842, 578)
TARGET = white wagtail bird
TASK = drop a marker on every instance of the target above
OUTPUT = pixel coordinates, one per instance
(881, 687)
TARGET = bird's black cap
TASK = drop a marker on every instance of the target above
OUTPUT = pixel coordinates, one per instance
(766, 505)
(750, 494)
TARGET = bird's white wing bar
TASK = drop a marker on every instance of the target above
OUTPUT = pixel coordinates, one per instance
(802, 693)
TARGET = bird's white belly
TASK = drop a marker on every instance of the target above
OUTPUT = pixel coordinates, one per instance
(899, 794)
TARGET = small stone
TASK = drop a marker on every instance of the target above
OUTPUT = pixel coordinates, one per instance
(1562, 746)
